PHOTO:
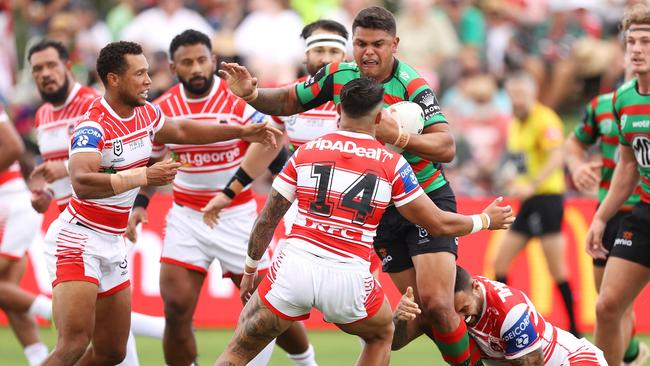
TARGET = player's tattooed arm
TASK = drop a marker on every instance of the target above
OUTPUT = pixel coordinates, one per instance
(535, 358)
(277, 101)
(265, 224)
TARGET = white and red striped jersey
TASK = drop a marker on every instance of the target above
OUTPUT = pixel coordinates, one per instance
(308, 125)
(510, 327)
(123, 143)
(343, 182)
(54, 126)
(207, 168)
(11, 179)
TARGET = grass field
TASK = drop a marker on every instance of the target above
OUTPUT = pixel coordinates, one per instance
(332, 348)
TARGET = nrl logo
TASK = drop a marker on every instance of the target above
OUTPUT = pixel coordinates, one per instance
(117, 148)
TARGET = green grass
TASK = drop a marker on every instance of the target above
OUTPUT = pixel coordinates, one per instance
(332, 348)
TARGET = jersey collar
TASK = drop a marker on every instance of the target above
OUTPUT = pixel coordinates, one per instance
(112, 112)
(356, 135)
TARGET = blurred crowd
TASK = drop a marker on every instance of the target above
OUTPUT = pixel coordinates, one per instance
(464, 48)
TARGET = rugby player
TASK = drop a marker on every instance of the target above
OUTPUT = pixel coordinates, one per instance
(343, 182)
(505, 325)
(84, 247)
(628, 266)
(190, 246)
(597, 127)
(409, 253)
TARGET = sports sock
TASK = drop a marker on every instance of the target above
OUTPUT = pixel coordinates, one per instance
(307, 358)
(456, 347)
(263, 358)
(42, 306)
(35, 353)
(502, 279)
(147, 325)
(567, 296)
(632, 350)
(131, 358)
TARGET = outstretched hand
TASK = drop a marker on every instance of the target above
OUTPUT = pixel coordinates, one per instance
(262, 133)
(239, 80)
(407, 309)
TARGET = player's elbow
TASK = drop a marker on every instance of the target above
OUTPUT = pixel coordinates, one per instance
(448, 153)
(14, 150)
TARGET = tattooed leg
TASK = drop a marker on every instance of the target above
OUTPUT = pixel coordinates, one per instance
(257, 327)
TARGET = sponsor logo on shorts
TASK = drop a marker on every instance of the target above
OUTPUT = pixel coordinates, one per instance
(626, 240)
(385, 257)
(422, 231)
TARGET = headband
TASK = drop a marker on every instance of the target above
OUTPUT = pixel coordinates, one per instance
(326, 40)
(639, 29)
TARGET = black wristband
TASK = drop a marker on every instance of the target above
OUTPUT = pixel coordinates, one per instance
(229, 192)
(141, 201)
(242, 177)
(277, 164)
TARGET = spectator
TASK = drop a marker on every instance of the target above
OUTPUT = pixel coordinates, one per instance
(468, 22)
(92, 34)
(155, 28)
(120, 16)
(417, 22)
(481, 113)
(269, 40)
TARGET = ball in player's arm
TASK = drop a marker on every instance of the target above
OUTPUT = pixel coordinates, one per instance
(360, 112)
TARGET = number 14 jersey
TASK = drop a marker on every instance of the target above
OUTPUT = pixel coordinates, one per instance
(343, 182)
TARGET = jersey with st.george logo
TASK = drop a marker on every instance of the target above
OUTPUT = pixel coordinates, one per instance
(123, 143)
(206, 169)
(343, 182)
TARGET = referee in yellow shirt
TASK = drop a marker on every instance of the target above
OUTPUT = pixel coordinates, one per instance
(535, 138)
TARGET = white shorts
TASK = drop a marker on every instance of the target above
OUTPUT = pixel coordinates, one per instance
(19, 224)
(573, 351)
(192, 244)
(77, 253)
(299, 280)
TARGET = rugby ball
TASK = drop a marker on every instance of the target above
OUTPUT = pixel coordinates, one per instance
(409, 116)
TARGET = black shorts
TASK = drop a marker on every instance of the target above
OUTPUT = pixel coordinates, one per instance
(398, 239)
(539, 215)
(610, 234)
(633, 239)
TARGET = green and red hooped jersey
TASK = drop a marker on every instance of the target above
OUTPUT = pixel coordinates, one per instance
(404, 84)
(598, 125)
(632, 115)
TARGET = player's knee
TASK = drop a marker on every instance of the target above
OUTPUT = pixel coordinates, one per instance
(437, 307)
(74, 345)
(607, 309)
(177, 309)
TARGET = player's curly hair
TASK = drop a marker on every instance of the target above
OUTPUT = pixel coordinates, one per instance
(360, 96)
(111, 58)
(637, 14)
(189, 37)
(463, 280)
(375, 17)
(325, 24)
(48, 43)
